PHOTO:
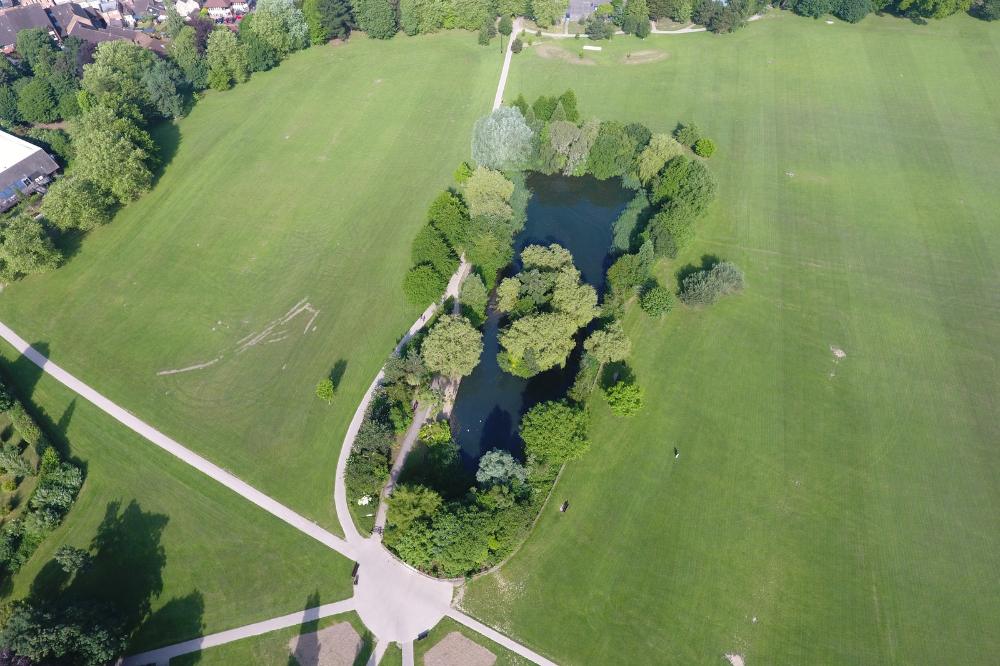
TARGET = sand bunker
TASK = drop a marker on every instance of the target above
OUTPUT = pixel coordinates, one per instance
(457, 650)
(338, 645)
(642, 57)
(552, 52)
(735, 659)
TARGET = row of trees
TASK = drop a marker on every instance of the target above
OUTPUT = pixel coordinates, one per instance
(382, 19)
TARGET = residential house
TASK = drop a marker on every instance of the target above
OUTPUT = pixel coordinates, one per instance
(24, 168)
(187, 7)
(21, 18)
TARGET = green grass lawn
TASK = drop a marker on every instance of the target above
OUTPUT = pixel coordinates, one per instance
(851, 507)
(271, 649)
(309, 182)
(179, 553)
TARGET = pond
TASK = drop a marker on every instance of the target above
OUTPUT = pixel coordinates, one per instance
(578, 214)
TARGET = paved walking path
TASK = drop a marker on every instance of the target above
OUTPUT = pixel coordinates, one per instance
(497, 637)
(163, 656)
(407, 653)
(156, 437)
(498, 100)
(397, 468)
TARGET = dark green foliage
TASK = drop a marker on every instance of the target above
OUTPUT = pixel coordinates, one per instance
(640, 133)
(704, 287)
(672, 176)
(449, 215)
(35, 45)
(624, 398)
(598, 28)
(261, 56)
(9, 114)
(423, 285)
(613, 153)
(570, 105)
(544, 106)
(488, 247)
(656, 300)
(484, 34)
(25, 249)
(377, 18)
(12, 462)
(516, 45)
(166, 88)
(704, 148)
(8, 72)
(72, 559)
(36, 101)
(52, 140)
(506, 25)
(990, 10)
(586, 379)
(335, 16)
(699, 187)
(74, 631)
(814, 8)
(853, 11)
(429, 247)
(6, 401)
(643, 29)
(687, 135)
(676, 218)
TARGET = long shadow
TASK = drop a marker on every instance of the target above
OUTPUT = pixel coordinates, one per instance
(127, 569)
(337, 373)
(308, 642)
(707, 262)
(181, 617)
(167, 137)
(24, 373)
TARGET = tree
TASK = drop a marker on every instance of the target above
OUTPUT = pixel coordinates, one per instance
(184, 52)
(498, 468)
(814, 8)
(990, 10)
(325, 390)
(86, 633)
(291, 22)
(502, 140)
(609, 345)
(335, 16)
(226, 55)
(517, 44)
(35, 45)
(555, 432)
(423, 285)
(448, 215)
(661, 149)
(704, 147)
(172, 26)
(570, 105)
(410, 503)
(656, 300)
(506, 27)
(463, 173)
(76, 203)
(624, 398)
(688, 134)
(613, 153)
(637, 10)
(705, 286)
(853, 11)
(165, 86)
(452, 348)
(25, 249)
(470, 14)
(113, 152)
(644, 28)
(508, 294)
(488, 193)
(474, 294)
(9, 115)
(544, 106)
(36, 102)
(377, 18)
(548, 12)
(72, 559)
(429, 247)
(699, 187)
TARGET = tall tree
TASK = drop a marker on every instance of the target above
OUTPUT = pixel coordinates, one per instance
(377, 18)
(73, 631)
(555, 432)
(113, 152)
(452, 348)
(608, 345)
(502, 140)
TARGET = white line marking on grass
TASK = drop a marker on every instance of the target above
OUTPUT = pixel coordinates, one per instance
(193, 367)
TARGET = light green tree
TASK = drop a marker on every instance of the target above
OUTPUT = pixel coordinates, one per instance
(661, 148)
(608, 345)
(325, 390)
(555, 432)
(226, 54)
(488, 193)
(624, 398)
(452, 348)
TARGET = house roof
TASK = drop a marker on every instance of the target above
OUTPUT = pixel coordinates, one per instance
(94, 35)
(64, 15)
(217, 4)
(20, 159)
(21, 18)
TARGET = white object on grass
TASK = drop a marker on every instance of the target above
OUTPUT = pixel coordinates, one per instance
(591, 48)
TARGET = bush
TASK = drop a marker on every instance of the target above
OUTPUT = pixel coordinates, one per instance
(423, 286)
(463, 173)
(9, 486)
(325, 390)
(705, 287)
(6, 402)
(656, 300)
(704, 147)
(517, 45)
(624, 398)
(499, 468)
(688, 134)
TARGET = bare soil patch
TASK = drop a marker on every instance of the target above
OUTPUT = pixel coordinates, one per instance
(642, 57)
(337, 645)
(735, 659)
(457, 650)
(552, 52)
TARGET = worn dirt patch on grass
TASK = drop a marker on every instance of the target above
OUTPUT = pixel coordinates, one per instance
(457, 650)
(642, 57)
(552, 52)
(337, 645)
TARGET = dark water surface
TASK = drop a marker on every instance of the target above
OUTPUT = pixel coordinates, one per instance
(576, 213)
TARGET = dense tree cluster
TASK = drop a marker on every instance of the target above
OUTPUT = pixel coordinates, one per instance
(436, 249)
(705, 286)
(546, 305)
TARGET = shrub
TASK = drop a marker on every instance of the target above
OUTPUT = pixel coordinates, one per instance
(499, 468)
(517, 45)
(656, 300)
(705, 287)
(9, 486)
(72, 559)
(423, 285)
(687, 134)
(624, 398)
(6, 402)
(704, 147)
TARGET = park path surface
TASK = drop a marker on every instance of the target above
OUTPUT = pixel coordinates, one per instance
(397, 468)
(498, 100)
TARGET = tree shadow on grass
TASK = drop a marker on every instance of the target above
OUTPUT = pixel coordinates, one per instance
(180, 618)
(308, 638)
(167, 137)
(337, 373)
(708, 261)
